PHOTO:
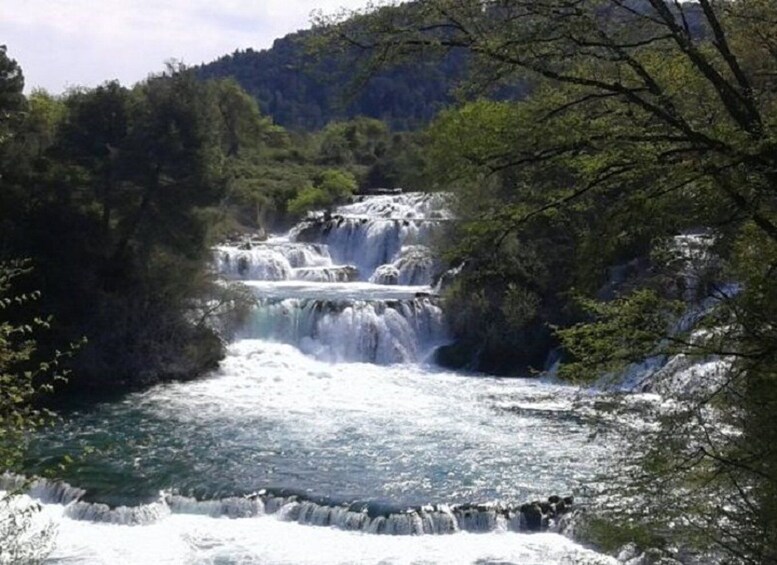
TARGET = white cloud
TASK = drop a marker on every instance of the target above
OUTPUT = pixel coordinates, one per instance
(61, 43)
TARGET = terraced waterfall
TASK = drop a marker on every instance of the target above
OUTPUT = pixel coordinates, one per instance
(327, 428)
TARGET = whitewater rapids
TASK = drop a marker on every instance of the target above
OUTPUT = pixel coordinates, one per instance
(327, 436)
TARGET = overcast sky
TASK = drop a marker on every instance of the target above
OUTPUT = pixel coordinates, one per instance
(62, 43)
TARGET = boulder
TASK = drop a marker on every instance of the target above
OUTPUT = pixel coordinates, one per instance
(532, 514)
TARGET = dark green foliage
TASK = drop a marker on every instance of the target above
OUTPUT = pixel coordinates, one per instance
(610, 537)
(287, 174)
(12, 101)
(24, 374)
(646, 120)
(301, 92)
(626, 330)
(115, 194)
(136, 229)
(333, 186)
(515, 288)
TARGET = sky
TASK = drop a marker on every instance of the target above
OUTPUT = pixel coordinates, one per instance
(65, 43)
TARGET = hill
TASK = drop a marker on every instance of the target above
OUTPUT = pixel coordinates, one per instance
(302, 93)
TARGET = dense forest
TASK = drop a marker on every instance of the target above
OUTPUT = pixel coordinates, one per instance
(304, 90)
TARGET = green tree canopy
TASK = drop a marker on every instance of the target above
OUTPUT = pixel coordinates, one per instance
(646, 119)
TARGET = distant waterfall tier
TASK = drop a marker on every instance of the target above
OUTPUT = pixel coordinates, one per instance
(411, 205)
(350, 322)
(367, 243)
(376, 231)
(280, 260)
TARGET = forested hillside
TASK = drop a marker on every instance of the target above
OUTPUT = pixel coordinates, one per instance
(303, 87)
(302, 91)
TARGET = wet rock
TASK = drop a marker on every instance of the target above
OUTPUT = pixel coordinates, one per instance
(628, 552)
(569, 523)
(385, 274)
(242, 265)
(351, 273)
(454, 356)
(260, 235)
(532, 514)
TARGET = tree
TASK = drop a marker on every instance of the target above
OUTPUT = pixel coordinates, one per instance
(90, 137)
(115, 194)
(20, 374)
(646, 118)
(243, 125)
(332, 186)
(12, 101)
(157, 150)
(24, 377)
(338, 184)
(301, 90)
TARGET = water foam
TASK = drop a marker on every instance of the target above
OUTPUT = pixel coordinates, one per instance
(376, 231)
(190, 539)
(291, 433)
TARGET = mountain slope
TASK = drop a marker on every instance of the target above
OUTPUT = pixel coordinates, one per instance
(300, 93)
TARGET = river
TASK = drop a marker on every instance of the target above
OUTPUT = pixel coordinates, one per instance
(327, 426)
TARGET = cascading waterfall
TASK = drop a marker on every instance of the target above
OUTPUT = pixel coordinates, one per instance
(368, 244)
(379, 331)
(274, 260)
(380, 239)
(435, 519)
(381, 235)
(414, 265)
(326, 413)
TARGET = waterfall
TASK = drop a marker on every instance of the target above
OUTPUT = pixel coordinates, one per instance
(374, 331)
(414, 265)
(375, 231)
(274, 261)
(325, 413)
(383, 240)
(431, 519)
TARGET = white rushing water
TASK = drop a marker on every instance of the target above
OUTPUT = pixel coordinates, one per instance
(327, 426)
(200, 540)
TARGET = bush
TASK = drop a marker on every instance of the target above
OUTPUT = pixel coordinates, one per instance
(309, 198)
(332, 186)
(24, 537)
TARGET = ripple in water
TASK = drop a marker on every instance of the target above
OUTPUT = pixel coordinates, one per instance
(387, 448)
